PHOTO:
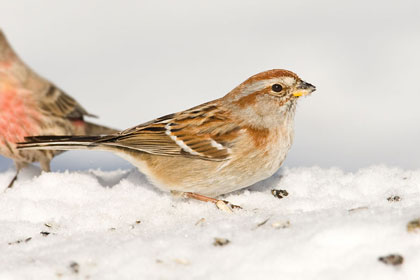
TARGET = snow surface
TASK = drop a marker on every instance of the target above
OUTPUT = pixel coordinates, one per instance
(116, 225)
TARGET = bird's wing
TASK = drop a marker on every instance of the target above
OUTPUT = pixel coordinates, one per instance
(204, 132)
(56, 102)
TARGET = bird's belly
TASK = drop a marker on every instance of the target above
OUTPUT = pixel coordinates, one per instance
(17, 117)
(209, 177)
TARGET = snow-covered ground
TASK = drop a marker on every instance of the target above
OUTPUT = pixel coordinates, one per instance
(115, 225)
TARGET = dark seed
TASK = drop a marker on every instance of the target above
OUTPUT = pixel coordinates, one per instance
(413, 225)
(263, 222)
(20, 241)
(220, 241)
(279, 193)
(392, 259)
(75, 267)
(394, 198)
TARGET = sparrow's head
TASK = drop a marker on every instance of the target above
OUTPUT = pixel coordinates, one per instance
(283, 84)
(269, 94)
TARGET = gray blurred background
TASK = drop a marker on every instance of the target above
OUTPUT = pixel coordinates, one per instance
(131, 61)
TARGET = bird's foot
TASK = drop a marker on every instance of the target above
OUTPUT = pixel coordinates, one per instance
(221, 204)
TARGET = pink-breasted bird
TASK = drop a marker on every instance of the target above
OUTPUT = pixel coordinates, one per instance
(31, 105)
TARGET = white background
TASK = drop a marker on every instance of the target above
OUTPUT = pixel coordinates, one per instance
(131, 61)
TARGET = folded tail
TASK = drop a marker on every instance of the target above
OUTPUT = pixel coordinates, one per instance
(53, 142)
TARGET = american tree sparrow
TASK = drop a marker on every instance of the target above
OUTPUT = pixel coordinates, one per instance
(212, 149)
(31, 105)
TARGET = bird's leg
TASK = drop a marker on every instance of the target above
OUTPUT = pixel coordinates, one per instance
(221, 204)
(18, 168)
(19, 165)
(13, 180)
(45, 165)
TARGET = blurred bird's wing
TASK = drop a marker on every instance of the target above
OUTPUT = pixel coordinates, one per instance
(56, 102)
(203, 132)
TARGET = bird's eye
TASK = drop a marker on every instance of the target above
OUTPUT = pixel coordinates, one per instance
(276, 87)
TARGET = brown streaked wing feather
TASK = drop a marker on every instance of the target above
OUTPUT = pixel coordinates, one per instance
(203, 132)
(57, 102)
